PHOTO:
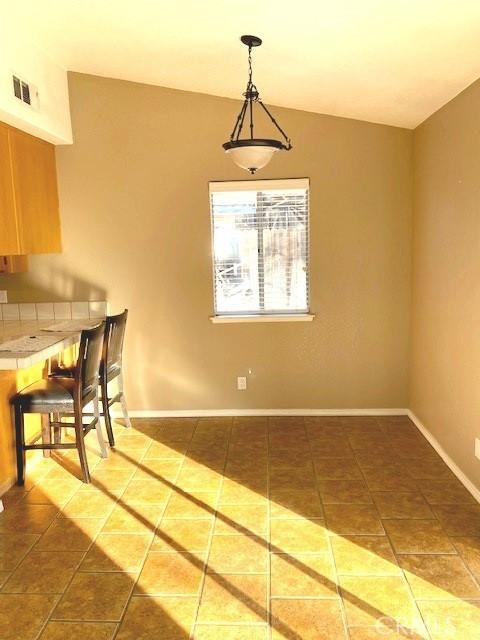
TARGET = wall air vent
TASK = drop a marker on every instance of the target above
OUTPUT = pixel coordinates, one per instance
(24, 91)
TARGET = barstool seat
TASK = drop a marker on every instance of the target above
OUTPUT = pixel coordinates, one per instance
(47, 396)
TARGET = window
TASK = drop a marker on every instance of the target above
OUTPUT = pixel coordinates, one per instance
(260, 234)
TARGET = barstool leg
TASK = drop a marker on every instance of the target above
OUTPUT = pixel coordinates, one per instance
(98, 428)
(57, 432)
(123, 402)
(46, 433)
(80, 442)
(106, 411)
(20, 445)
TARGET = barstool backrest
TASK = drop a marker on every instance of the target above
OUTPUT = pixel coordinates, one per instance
(113, 344)
(88, 362)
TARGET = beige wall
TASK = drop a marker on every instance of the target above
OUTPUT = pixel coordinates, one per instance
(136, 228)
(445, 360)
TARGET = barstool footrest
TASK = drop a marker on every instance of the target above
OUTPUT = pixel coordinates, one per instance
(28, 447)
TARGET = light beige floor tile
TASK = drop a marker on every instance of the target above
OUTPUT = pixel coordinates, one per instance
(300, 478)
(79, 631)
(295, 504)
(439, 492)
(392, 631)
(307, 575)
(233, 599)
(364, 555)
(93, 504)
(353, 519)
(182, 535)
(95, 597)
(52, 491)
(238, 554)
(451, 620)
(22, 616)
(344, 492)
(245, 519)
(307, 619)
(469, 549)
(132, 441)
(164, 471)
(204, 479)
(389, 479)
(331, 447)
(4, 575)
(234, 492)
(428, 468)
(146, 492)
(193, 504)
(109, 479)
(307, 536)
(70, 535)
(27, 518)
(400, 504)
(418, 536)
(126, 460)
(459, 520)
(117, 552)
(166, 451)
(139, 518)
(44, 572)
(157, 618)
(172, 574)
(13, 547)
(438, 577)
(368, 599)
(337, 469)
(224, 632)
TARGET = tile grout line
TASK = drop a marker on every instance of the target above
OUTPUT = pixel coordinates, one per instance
(210, 538)
(269, 538)
(329, 539)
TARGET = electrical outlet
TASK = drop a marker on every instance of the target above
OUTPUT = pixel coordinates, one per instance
(241, 383)
(477, 448)
(3, 297)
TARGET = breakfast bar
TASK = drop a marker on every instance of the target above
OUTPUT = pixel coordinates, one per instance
(27, 350)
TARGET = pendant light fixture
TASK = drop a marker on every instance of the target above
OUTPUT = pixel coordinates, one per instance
(253, 153)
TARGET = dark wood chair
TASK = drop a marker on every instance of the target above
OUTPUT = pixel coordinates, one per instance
(64, 398)
(110, 370)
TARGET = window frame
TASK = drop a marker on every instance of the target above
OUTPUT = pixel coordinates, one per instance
(304, 315)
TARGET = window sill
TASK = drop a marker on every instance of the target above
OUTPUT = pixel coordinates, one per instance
(297, 317)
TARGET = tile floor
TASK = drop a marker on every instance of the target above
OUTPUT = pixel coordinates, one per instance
(244, 529)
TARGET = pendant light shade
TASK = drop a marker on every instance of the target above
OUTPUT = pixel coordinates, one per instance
(253, 153)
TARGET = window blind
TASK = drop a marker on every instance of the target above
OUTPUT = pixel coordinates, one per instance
(260, 232)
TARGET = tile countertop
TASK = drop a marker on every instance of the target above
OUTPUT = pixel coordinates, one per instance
(14, 329)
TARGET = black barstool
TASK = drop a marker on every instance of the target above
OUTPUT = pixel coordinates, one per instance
(65, 397)
(110, 369)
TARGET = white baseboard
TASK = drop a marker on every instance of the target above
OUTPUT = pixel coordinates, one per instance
(468, 484)
(202, 413)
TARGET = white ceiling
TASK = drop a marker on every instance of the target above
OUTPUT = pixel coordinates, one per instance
(388, 61)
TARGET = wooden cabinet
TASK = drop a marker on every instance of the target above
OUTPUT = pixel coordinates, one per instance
(9, 241)
(29, 214)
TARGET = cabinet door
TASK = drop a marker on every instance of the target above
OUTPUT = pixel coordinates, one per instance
(36, 196)
(9, 241)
